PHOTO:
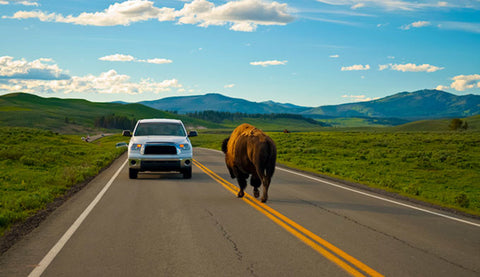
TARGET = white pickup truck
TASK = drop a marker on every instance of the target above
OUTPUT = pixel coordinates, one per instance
(160, 145)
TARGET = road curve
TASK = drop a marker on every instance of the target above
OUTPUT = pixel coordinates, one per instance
(163, 225)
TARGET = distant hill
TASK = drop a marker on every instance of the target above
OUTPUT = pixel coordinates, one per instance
(437, 125)
(422, 104)
(221, 103)
(80, 116)
(73, 115)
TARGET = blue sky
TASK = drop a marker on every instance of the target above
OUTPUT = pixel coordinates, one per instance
(305, 52)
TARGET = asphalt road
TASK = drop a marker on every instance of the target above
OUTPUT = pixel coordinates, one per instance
(163, 225)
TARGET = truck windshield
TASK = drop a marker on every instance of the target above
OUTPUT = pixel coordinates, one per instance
(160, 129)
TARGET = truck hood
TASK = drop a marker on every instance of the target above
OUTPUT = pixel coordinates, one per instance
(164, 139)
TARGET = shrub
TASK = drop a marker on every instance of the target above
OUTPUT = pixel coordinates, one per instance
(462, 200)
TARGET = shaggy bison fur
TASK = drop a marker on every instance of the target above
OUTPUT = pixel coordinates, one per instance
(249, 151)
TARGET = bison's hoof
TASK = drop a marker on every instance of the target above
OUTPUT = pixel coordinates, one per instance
(256, 193)
(264, 200)
(240, 194)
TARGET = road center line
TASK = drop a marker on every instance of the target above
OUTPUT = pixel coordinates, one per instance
(334, 254)
(45, 262)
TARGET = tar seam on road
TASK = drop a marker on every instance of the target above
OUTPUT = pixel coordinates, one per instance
(372, 195)
(45, 262)
(334, 254)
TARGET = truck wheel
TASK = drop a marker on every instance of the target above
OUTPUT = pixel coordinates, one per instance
(187, 173)
(132, 173)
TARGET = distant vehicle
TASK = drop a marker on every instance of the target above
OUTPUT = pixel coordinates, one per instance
(121, 144)
(192, 134)
(159, 145)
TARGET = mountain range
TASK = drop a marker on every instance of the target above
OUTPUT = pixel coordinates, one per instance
(218, 102)
(422, 104)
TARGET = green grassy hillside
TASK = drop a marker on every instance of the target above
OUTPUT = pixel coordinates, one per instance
(438, 125)
(275, 125)
(269, 122)
(353, 122)
(74, 115)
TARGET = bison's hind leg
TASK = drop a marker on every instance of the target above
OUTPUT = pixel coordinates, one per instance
(242, 183)
(232, 173)
(266, 184)
(255, 181)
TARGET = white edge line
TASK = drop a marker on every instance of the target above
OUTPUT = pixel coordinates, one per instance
(371, 195)
(45, 262)
(380, 198)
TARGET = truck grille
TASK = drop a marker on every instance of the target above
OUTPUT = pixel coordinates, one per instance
(161, 165)
(160, 150)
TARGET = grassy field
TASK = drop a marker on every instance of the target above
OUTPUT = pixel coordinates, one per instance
(37, 166)
(274, 125)
(440, 168)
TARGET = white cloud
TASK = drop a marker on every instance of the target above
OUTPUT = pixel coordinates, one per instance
(460, 26)
(41, 69)
(358, 5)
(392, 5)
(129, 58)
(417, 24)
(244, 27)
(464, 82)
(24, 3)
(41, 76)
(156, 61)
(106, 82)
(334, 56)
(117, 14)
(359, 98)
(269, 63)
(356, 67)
(410, 67)
(440, 87)
(117, 58)
(229, 86)
(383, 66)
(243, 15)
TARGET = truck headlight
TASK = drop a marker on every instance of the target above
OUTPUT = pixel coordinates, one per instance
(136, 147)
(184, 146)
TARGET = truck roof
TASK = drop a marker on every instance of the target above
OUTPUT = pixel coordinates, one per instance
(160, 120)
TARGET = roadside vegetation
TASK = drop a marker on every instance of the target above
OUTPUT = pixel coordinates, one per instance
(37, 166)
(437, 167)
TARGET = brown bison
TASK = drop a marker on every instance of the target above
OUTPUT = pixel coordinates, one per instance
(248, 150)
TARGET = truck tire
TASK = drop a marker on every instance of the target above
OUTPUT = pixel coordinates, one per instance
(132, 173)
(187, 173)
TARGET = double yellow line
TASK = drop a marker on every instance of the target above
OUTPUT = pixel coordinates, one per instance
(331, 252)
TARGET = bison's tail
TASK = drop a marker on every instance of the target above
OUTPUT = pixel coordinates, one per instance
(268, 157)
(224, 145)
